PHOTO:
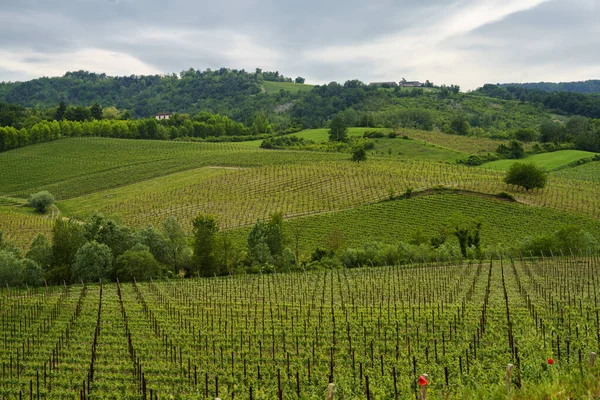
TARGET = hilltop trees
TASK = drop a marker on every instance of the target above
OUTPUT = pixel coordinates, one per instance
(526, 175)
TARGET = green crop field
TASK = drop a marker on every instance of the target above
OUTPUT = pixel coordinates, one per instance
(21, 227)
(390, 222)
(275, 87)
(73, 167)
(586, 172)
(547, 161)
(371, 332)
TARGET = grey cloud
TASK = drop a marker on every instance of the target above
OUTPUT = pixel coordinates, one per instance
(179, 34)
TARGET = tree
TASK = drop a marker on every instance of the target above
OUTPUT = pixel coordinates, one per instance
(96, 111)
(338, 131)
(526, 175)
(41, 201)
(111, 113)
(205, 231)
(459, 125)
(40, 251)
(136, 263)
(11, 271)
(266, 241)
(67, 237)
(60, 111)
(514, 150)
(177, 252)
(359, 154)
(93, 262)
(299, 80)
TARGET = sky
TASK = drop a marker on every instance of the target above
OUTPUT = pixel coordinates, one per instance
(463, 42)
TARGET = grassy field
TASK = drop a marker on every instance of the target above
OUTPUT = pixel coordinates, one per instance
(275, 87)
(370, 331)
(587, 172)
(547, 161)
(390, 222)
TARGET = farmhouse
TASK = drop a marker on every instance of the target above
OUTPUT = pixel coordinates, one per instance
(163, 116)
(411, 84)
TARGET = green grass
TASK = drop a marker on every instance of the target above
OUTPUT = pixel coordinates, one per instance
(74, 167)
(586, 172)
(547, 161)
(393, 221)
(275, 87)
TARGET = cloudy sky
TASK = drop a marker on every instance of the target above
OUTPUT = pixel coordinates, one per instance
(465, 42)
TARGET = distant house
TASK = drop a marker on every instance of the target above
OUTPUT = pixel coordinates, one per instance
(411, 84)
(163, 116)
(383, 84)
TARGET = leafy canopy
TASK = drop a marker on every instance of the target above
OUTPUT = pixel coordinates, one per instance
(526, 175)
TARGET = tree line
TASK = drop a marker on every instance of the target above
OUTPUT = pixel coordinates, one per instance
(101, 248)
(202, 125)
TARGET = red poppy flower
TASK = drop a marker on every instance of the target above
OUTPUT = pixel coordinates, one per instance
(550, 361)
(423, 381)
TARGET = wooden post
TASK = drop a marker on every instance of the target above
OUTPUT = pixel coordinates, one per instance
(330, 391)
(509, 369)
(592, 358)
(424, 388)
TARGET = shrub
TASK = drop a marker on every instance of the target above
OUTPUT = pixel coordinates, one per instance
(41, 201)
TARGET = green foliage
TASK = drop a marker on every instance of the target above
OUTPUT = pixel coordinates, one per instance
(565, 240)
(526, 175)
(93, 262)
(338, 131)
(118, 238)
(467, 231)
(266, 241)
(205, 229)
(514, 150)
(40, 251)
(11, 272)
(176, 252)
(359, 154)
(459, 125)
(41, 201)
(526, 135)
(67, 237)
(136, 263)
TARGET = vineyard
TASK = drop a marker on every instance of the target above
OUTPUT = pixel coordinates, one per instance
(372, 332)
(238, 197)
(21, 228)
(74, 167)
(586, 172)
(390, 222)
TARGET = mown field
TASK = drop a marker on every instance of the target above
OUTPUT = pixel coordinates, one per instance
(371, 332)
(275, 87)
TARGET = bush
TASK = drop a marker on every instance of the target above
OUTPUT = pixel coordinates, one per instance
(41, 201)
